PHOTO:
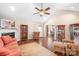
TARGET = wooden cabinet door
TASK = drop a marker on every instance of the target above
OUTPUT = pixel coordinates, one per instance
(24, 32)
(74, 31)
(60, 32)
(36, 35)
(46, 30)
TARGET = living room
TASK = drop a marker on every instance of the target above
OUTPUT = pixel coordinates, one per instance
(39, 29)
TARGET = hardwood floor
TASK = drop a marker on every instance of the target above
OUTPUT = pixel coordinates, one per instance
(25, 41)
(41, 41)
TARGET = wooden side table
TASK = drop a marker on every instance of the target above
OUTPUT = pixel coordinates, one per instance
(36, 35)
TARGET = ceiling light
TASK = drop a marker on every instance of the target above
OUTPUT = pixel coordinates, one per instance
(12, 8)
(41, 13)
(72, 7)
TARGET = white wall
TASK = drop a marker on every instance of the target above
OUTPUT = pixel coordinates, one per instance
(64, 18)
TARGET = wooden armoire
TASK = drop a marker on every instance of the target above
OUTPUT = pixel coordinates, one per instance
(23, 32)
(60, 32)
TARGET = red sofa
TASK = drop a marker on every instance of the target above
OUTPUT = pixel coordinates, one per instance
(9, 46)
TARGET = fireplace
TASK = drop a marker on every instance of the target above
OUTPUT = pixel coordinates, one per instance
(11, 34)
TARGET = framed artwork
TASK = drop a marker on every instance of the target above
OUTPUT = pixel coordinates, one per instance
(6, 23)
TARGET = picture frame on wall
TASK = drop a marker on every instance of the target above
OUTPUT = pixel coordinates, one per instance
(7, 24)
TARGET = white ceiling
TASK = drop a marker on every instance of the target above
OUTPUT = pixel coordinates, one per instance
(24, 11)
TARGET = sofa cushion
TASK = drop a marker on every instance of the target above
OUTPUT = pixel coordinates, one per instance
(4, 51)
(7, 39)
(12, 45)
(1, 43)
(71, 45)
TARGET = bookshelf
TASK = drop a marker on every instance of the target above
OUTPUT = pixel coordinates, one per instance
(60, 34)
(74, 31)
(24, 32)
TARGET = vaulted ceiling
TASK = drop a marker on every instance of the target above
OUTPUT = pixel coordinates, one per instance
(24, 11)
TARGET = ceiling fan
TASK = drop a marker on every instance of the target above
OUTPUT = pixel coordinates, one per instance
(41, 11)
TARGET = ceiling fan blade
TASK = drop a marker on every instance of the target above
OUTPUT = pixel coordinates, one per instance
(47, 13)
(37, 8)
(35, 13)
(47, 9)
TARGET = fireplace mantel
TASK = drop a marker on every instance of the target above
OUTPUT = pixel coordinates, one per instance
(9, 31)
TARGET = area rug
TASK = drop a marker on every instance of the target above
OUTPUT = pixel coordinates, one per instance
(34, 49)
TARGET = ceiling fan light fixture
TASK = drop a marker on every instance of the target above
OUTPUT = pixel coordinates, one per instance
(12, 8)
(41, 13)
